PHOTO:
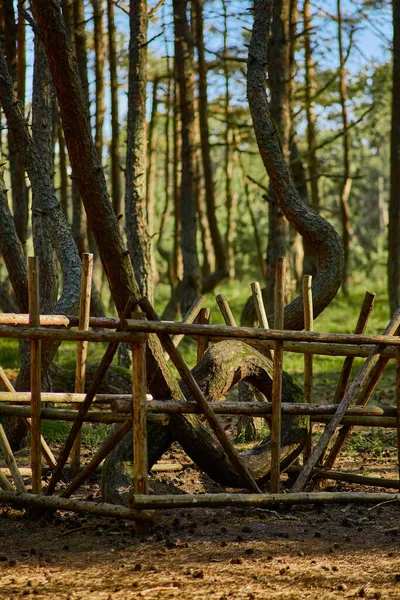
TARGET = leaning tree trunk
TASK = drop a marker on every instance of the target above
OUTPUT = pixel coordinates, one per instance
(57, 228)
(91, 182)
(314, 228)
(17, 172)
(11, 248)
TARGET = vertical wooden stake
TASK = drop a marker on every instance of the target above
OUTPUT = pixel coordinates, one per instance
(36, 380)
(398, 404)
(202, 340)
(277, 377)
(139, 420)
(225, 310)
(82, 348)
(47, 453)
(308, 358)
(260, 311)
(10, 461)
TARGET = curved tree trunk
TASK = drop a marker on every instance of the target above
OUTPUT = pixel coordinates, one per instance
(56, 225)
(224, 365)
(314, 228)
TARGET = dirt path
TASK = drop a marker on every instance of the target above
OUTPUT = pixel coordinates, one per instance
(331, 552)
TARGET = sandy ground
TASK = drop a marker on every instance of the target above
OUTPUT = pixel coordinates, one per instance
(307, 552)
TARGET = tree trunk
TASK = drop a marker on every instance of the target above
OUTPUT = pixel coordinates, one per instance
(315, 229)
(98, 19)
(151, 158)
(78, 218)
(42, 136)
(57, 227)
(345, 188)
(191, 284)
(310, 257)
(114, 144)
(228, 167)
(11, 249)
(219, 250)
(224, 365)
(279, 78)
(394, 200)
(62, 165)
(17, 172)
(139, 242)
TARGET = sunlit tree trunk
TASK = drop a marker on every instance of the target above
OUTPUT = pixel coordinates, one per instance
(345, 188)
(139, 242)
(310, 258)
(394, 200)
(114, 144)
(98, 18)
(280, 113)
(78, 217)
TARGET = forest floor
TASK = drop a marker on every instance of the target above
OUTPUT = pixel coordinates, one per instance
(315, 552)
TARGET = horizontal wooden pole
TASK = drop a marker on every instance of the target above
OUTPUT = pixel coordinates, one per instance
(15, 319)
(121, 404)
(349, 477)
(360, 421)
(325, 349)
(196, 329)
(171, 328)
(41, 333)
(259, 500)
(61, 414)
(79, 506)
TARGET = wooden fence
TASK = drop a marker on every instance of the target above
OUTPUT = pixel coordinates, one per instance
(134, 411)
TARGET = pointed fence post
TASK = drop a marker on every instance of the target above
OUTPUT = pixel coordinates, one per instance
(277, 377)
(308, 358)
(82, 348)
(36, 380)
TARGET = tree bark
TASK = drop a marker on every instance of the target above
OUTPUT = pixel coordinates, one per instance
(224, 365)
(98, 25)
(219, 250)
(57, 227)
(191, 284)
(139, 242)
(17, 172)
(79, 35)
(394, 200)
(279, 78)
(11, 249)
(310, 257)
(114, 144)
(315, 229)
(345, 188)
(42, 137)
